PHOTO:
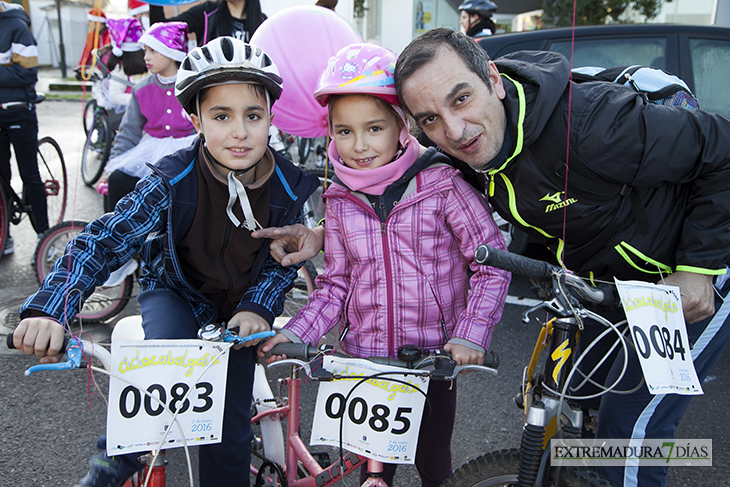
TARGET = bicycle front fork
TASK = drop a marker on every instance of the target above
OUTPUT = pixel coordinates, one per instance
(157, 477)
(375, 475)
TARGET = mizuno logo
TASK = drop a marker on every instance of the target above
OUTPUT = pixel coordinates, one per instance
(555, 197)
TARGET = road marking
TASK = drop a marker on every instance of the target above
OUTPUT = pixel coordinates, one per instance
(526, 302)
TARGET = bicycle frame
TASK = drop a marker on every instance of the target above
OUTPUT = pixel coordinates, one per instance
(297, 451)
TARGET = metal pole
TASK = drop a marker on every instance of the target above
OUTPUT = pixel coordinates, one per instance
(61, 48)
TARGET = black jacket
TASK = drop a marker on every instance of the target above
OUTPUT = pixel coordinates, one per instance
(18, 56)
(677, 160)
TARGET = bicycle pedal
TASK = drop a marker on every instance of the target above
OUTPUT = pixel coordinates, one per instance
(323, 458)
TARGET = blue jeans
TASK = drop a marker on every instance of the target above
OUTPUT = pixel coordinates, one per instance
(643, 415)
(166, 315)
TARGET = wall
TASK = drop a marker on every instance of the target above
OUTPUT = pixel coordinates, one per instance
(44, 21)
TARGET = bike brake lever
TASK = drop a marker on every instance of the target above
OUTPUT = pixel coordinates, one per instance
(552, 305)
(74, 352)
(292, 361)
(479, 368)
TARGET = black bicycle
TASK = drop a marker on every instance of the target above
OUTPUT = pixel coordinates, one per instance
(547, 397)
(52, 169)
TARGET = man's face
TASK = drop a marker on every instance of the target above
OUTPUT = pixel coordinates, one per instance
(455, 108)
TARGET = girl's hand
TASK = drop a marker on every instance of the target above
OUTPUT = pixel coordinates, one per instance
(269, 344)
(42, 337)
(464, 355)
(294, 243)
(248, 323)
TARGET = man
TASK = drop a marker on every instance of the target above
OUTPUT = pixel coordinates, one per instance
(502, 117)
(18, 120)
(476, 18)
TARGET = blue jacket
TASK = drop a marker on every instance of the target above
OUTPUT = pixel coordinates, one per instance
(18, 56)
(151, 221)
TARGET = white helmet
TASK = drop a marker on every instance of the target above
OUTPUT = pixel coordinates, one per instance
(224, 60)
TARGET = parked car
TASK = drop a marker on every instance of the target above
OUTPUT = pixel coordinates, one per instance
(700, 55)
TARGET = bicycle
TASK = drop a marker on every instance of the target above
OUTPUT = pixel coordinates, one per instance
(292, 463)
(52, 168)
(549, 411)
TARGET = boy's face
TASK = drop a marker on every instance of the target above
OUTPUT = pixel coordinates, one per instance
(235, 123)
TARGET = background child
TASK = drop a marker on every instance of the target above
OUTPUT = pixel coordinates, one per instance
(191, 221)
(401, 229)
(154, 123)
(125, 63)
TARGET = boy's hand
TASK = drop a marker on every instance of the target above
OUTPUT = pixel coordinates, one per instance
(294, 243)
(248, 323)
(464, 355)
(269, 344)
(698, 296)
(42, 337)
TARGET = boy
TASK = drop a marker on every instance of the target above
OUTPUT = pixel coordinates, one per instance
(191, 221)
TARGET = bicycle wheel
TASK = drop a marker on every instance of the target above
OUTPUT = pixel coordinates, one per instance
(89, 110)
(53, 174)
(298, 296)
(500, 469)
(97, 148)
(4, 220)
(105, 302)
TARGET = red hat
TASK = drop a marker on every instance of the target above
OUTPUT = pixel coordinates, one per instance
(96, 15)
(136, 7)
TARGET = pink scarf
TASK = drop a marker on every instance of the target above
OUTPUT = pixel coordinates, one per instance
(376, 181)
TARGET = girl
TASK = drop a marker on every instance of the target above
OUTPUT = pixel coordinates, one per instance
(154, 123)
(211, 19)
(401, 229)
(125, 63)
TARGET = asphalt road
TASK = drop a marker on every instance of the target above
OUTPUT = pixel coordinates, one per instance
(50, 421)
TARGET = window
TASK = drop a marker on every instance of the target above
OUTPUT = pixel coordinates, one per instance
(610, 52)
(711, 70)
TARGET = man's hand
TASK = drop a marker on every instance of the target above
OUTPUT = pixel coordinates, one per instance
(269, 344)
(42, 337)
(248, 323)
(294, 243)
(464, 355)
(698, 295)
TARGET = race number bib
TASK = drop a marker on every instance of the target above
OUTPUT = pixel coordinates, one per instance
(656, 322)
(188, 376)
(380, 416)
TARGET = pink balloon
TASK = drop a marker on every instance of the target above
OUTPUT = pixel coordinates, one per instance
(301, 40)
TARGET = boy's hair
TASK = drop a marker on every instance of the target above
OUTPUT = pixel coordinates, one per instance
(258, 89)
(424, 49)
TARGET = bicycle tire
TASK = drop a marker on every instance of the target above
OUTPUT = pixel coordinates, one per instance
(298, 296)
(96, 149)
(105, 302)
(500, 469)
(52, 168)
(89, 110)
(4, 220)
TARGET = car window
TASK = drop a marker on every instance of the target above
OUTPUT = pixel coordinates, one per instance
(711, 70)
(610, 52)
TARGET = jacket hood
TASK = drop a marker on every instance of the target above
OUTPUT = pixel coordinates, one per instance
(535, 81)
(13, 11)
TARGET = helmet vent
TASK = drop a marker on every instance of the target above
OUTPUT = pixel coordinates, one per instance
(186, 64)
(227, 49)
(195, 54)
(267, 60)
(206, 53)
(248, 52)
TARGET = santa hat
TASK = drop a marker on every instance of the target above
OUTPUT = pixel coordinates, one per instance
(168, 38)
(125, 34)
(96, 15)
(136, 7)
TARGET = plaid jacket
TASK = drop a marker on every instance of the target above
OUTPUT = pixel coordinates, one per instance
(151, 221)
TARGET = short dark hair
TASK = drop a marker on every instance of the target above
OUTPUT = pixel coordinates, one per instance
(422, 50)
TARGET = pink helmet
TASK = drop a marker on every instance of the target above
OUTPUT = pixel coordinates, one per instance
(359, 69)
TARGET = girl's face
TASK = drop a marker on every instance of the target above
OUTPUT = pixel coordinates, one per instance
(158, 64)
(235, 123)
(365, 131)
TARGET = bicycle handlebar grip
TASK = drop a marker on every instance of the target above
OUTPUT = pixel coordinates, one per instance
(293, 350)
(514, 263)
(9, 342)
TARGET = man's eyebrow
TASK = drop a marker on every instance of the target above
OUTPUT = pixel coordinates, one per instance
(454, 91)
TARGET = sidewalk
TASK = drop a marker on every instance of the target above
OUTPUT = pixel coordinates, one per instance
(55, 87)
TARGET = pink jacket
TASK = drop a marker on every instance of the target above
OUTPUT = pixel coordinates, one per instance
(405, 281)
